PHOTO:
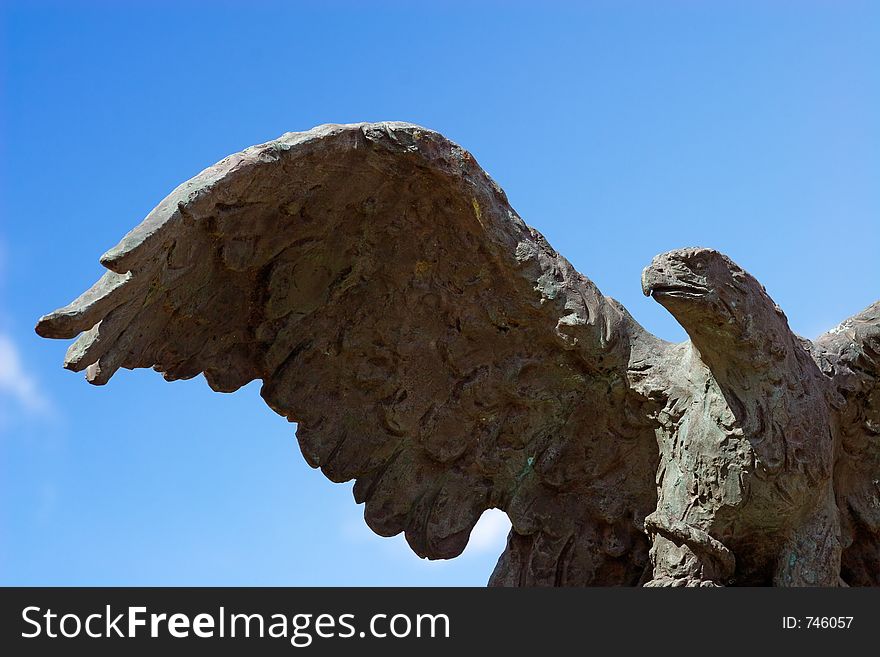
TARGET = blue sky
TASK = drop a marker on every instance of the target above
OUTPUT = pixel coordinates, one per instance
(618, 129)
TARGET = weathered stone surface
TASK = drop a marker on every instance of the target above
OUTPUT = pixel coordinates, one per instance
(436, 349)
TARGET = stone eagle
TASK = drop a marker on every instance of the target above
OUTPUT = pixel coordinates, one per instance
(433, 347)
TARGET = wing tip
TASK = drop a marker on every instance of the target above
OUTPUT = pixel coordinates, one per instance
(56, 326)
(98, 375)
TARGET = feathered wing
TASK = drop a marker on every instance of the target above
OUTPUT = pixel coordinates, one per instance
(851, 355)
(427, 342)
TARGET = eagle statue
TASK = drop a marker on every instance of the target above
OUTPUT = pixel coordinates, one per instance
(434, 348)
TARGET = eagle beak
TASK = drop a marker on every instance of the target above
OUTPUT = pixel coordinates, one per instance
(647, 287)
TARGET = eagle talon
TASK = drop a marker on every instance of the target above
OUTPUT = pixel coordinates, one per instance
(699, 541)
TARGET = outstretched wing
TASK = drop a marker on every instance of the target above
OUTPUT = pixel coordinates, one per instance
(427, 342)
(851, 354)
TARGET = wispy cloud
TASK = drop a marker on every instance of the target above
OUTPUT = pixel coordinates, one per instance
(16, 383)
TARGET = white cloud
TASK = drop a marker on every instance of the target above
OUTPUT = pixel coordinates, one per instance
(489, 536)
(490, 532)
(15, 382)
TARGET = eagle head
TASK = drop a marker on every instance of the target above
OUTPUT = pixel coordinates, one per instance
(720, 305)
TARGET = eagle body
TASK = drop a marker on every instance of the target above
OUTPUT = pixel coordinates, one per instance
(747, 450)
(745, 464)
